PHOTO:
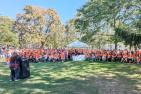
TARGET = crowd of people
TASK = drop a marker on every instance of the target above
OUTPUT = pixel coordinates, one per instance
(60, 55)
(15, 58)
(123, 56)
(39, 55)
(44, 55)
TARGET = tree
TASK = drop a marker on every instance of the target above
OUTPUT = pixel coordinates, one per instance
(99, 15)
(56, 38)
(36, 21)
(71, 32)
(7, 36)
(129, 32)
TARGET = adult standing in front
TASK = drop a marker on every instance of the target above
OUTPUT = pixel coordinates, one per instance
(14, 67)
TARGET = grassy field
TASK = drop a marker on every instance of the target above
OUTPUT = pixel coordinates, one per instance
(75, 78)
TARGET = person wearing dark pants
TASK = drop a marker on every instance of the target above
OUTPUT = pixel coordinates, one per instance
(14, 74)
(14, 67)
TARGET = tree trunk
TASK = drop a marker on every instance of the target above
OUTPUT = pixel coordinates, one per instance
(116, 45)
(130, 47)
(135, 47)
(116, 41)
(20, 42)
(42, 44)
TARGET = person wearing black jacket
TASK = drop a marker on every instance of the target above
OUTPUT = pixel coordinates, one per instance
(14, 67)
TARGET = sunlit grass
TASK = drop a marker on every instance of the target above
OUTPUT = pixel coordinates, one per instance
(75, 78)
(2, 59)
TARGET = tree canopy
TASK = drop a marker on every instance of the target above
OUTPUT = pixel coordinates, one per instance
(107, 15)
(98, 22)
(7, 36)
(38, 24)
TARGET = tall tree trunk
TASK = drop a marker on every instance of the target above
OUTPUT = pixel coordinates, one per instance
(130, 47)
(42, 44)
(20, 41)
(116, 40)
(135, 47)
(116, 44)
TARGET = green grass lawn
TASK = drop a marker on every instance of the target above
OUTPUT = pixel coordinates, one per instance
(75, 78)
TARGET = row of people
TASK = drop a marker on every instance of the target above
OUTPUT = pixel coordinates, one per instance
(53, 55)
(125, 56)
(117, 56)
(43, 55)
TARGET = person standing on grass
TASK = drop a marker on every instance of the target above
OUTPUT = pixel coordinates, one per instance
(62, 56)
(14, 67)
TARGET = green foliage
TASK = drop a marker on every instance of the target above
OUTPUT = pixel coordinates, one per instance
(7, 36)
(71, 32)
(37, 26)
(106, 14)
(129, 37)
(56, 39)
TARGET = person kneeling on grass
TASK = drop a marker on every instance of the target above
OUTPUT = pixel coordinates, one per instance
(14, 67)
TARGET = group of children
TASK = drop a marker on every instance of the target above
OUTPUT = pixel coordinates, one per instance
(43, 55)
(123, 56)
(59, 55)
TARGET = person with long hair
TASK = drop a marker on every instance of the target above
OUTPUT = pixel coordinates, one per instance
(14, 67)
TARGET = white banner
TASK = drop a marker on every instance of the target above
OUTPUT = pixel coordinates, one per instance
(79, 58)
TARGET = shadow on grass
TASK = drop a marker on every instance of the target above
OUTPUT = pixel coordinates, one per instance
(73, 78)
(64, 85)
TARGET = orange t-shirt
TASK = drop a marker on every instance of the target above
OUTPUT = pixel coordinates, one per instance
(62, 56)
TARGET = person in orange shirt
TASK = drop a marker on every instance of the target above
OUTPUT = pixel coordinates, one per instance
(130, 57)
(7, 60)
(37, 56)
(114, 56)
(104, 56)
(109, 56)
(55, 57)
(62, 56)
(124, 59)
(119, 56)
(49, 57)
(8, 56)
(93, 56)
(138, 59)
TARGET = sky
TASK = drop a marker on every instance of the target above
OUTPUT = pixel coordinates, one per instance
(66, 9)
